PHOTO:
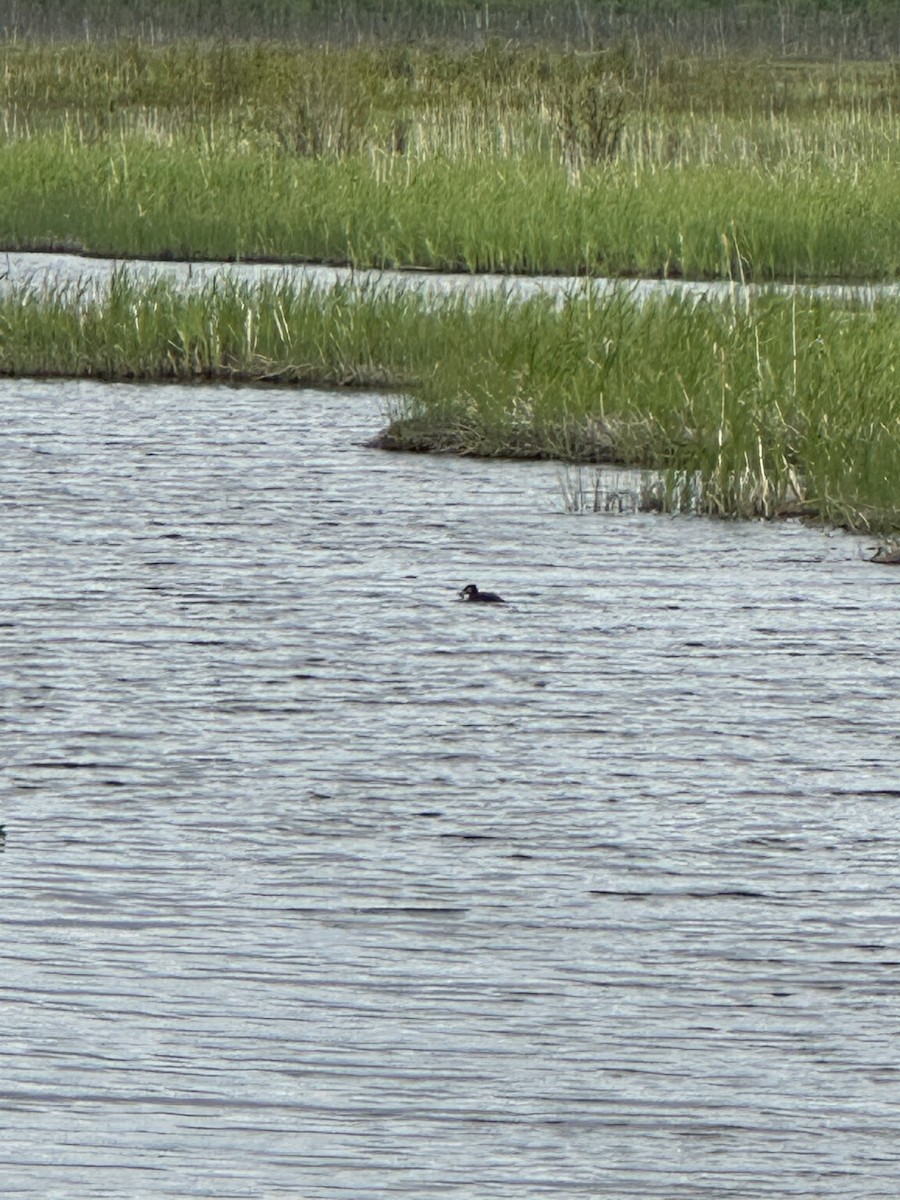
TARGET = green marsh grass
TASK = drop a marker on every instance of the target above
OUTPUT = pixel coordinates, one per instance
(770, 405)
(624, 161)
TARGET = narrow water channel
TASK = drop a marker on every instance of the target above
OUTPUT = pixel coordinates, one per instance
(317, 882)
(58, 270)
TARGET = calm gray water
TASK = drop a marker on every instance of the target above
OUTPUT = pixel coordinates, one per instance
(319, 883)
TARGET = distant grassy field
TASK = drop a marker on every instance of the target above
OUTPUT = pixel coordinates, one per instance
(777, 405)
(627, 160)
(838, 28)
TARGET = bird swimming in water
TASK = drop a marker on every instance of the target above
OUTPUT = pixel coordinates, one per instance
(471, 592)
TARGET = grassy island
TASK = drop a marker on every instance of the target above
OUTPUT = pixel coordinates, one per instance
(774, 405)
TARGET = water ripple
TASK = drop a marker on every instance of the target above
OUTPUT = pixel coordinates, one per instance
(316, 881)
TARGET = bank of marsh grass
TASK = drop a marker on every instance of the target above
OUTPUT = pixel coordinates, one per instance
(767, 405)
(623, 161)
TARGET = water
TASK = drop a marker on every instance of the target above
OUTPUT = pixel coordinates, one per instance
(319, 883)
(58, 270)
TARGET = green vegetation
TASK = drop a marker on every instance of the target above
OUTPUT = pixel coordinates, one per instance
(702, 138)
(623, 161)
(775, 405)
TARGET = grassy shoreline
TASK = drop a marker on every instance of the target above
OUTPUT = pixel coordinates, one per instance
(623, 162)
(519, 219)
(768, 406)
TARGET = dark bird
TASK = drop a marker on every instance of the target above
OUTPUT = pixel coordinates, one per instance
(471, 592)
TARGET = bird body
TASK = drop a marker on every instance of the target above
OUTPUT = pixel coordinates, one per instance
(471, 592)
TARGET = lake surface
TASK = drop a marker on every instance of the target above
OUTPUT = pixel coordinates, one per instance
(319, 883)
